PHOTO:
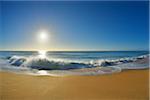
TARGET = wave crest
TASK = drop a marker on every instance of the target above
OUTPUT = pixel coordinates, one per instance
(54, 67)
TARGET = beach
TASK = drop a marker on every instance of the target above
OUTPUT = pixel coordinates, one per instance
(74, 50)
(126, 85)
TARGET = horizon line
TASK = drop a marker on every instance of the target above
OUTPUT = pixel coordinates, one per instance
(74, 50)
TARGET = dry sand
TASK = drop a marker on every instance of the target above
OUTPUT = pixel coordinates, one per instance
(127, 85)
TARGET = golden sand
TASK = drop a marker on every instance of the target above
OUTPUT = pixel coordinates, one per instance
(127, 85)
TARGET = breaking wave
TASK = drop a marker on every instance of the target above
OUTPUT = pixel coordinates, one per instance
(35, 65)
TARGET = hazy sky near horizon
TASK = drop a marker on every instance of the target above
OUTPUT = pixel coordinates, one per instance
(75, 25)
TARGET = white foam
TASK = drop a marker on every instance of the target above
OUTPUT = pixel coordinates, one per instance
(54, 66)
(42, 72)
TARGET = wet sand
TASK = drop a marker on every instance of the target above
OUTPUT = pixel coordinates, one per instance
(127, 85)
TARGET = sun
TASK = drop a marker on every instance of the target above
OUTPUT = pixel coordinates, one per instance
(43, 36)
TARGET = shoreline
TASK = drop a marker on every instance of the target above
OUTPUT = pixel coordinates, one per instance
(127, 85)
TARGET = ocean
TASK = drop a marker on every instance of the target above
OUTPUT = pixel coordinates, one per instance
(60, 63)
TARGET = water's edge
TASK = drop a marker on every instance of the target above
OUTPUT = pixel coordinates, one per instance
(35, 65)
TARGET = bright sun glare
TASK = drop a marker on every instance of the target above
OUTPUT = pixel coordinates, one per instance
(42, 53)
(43, 36)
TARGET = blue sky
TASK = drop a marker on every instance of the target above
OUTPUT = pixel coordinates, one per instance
(99, 25)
